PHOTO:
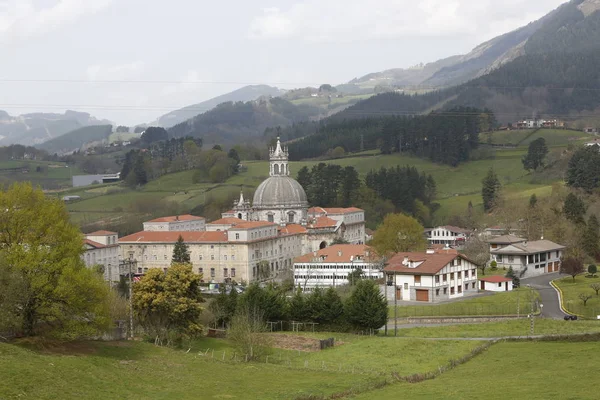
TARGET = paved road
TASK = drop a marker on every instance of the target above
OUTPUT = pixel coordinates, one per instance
(548, 294)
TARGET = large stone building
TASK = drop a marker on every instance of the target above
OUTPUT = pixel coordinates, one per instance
(251, 242)
(102, 248)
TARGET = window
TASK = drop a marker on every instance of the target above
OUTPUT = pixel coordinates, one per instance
(165, 256)
(225, 272)
(145, 270)
(445, 277)
(291, 218)
(466, 274)
(452, 276)
(460, 289)
(154, 257)
(445, 290)
(225, 257)
(499, 284)
(406, 286)
(459, 275)
(437, 279)
(557, 254)
(212, 272)
(459, 261)
(530, 259)
(233, 272)
(511, 259)
(270, 218)
(253, 271)
(212, 246)
(451, 290)
(417, 279)
(473, 273)
(237, 236)
(233, 257)
(499, 258)
(473, 285)
(212, 257)
(200, 257)
(200, 271)
(437, 292)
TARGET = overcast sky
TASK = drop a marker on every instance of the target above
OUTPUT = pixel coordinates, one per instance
(67, 54)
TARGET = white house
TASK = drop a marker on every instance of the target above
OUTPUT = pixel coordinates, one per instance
(497, 242)
(529, 258)
(102, 248)
(176, 223)
(447, 235)
(496, 283)
(329, 267)
(431, 276)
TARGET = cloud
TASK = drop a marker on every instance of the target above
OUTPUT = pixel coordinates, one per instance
(350, 20)
(103, 72)
(22, 18)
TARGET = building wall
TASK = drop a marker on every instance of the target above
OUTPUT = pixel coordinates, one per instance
(309, 276)
(448, 285)
(176, 226)
(497, 287)
(106, 240)
(355, 233)
(531, 266)
(441, 235)
(281, 215)
(107, 257)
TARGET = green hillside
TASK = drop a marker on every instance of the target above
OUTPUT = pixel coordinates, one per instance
(74, 140)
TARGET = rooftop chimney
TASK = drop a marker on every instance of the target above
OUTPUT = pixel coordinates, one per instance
(405, 262)
(339, 253)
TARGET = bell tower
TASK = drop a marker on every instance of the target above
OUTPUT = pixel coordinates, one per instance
(278, 160)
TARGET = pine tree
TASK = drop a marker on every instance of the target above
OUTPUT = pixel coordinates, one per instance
(181, 253)
(334, 309)
(366, 308)
(490, 190)
(536, 153)
(574, 209)
(515, 279)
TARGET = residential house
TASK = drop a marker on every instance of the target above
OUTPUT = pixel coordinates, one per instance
(330, 267)
(447, 235)
(496, 283)
(102, 248)
(528, 258)
(590, 130)
(498, 242)
(431, 276)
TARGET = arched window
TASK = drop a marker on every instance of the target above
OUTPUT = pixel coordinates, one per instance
(270, 218)
(291, 218)
(276, 169)
(323, 245)
(240, 215)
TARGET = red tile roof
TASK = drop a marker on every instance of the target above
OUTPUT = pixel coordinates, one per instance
(251, 225)
(292, 229)
(174, 218)
(227, 221)
(94, 244)
(323, 222)
(332, 254)
(171, 237)
(495, 279)
(101, 233)
(342, 210)
(430, 264)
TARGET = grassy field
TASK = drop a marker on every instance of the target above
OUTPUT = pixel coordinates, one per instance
(527, 370)
(520, 327)
(134, 370)
(49, 176)
(571, 291)
(522, 138)
(505, 303)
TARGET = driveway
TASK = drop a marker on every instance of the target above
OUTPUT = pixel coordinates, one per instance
(548, 294)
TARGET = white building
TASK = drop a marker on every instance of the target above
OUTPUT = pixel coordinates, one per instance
(102, 248)
(176, 223)
(527, 258)
(329, 267)
(447, 235)
(431, 276)
(496, 283)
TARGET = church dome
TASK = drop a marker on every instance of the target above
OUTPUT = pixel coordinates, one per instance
(279, 191)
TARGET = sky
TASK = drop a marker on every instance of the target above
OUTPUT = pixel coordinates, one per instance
(131, 61)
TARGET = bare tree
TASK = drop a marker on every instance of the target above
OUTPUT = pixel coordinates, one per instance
(585, 297)
(478, 251)
(595, 287)
(247, 334)
(571, 266)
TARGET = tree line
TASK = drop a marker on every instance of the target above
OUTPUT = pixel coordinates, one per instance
(397, 189)
(443, 137)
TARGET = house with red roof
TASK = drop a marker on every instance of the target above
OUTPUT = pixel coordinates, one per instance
(431, 276)
(101, 248)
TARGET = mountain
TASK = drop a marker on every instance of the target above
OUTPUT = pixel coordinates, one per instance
(77, 139)
(36, 128)
(563, 29)
(239, 122)
(246, 93)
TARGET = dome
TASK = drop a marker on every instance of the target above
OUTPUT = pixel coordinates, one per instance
(279, 191)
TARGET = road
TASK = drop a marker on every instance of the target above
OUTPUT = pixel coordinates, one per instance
(548, 294)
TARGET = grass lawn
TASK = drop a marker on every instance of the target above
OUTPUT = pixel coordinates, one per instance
(571, 291)
(522, 138)
(505, 303)
(520, 327)
(127, 370)
(527, 370)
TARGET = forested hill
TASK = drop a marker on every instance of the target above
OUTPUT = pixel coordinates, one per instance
(76, 139)
(238, 122)
(446, 138)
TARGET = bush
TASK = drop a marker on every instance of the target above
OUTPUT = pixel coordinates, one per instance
(247, 334)
(592, 269)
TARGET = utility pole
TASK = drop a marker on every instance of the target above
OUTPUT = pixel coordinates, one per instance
(531, 321)
(130, 301)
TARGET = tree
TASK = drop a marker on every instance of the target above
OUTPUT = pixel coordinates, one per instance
(533, 201)
(366, 308)
(217, 147)
(585, 297)
(139, 129)
(168, 305)
(592, 269)
(247, 334)
(490, 190)
(584, 169)
(478, 251)
(536, 153)
(595, 287)
(574, 209)
(154, 134)
(45, 282)
(591, 237)
(298, 308)
(515, 279)
(334, 309)
(181, 252)
(571, 266)
(122, 129)
(269, 302)
(398, 233)
(233, 154)
(356, 275)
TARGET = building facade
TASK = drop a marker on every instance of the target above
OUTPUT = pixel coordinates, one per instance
(176, 223)
(331, 266)
(447, 235)
(431, 276)
(102, 248)
(496, 283)
(528, 258)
